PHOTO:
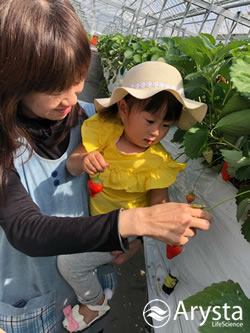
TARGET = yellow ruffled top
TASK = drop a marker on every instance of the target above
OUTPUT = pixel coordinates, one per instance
(129, 178)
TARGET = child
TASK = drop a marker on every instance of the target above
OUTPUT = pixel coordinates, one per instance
(122, 142)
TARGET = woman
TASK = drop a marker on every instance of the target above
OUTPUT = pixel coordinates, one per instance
(44, 58)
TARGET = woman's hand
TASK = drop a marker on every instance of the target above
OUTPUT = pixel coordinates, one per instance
(172, 223)
(122, 257)
(93, 162)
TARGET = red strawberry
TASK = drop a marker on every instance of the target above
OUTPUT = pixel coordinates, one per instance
(173, 251)
(190, 197)
(95, 186)
(225, 175)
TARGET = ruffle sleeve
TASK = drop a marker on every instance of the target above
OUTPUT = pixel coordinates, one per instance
(152, 169)
(96, 132)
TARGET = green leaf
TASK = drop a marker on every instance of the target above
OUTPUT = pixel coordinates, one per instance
(161, 59)
(235, 103)
(242, 209)
(154, 57)
(195, 88)
(137, 58)
(243, 173)
(206, 71)
(225, 50)
(240, 75)
(245, 229)
(178, 135)
(245, 146)
(209, 37)
(219, 294)
(231, 156)
(235, 159)
(168, 41)
(207, 41)
(236, 123)
(195, 48)
(135, 46)
(195, 140)
(243, 188)
(128, 54)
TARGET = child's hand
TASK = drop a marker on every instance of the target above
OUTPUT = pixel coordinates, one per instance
(122, 257)
(93, 162)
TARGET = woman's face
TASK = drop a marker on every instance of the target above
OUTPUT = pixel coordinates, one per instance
(51, 106)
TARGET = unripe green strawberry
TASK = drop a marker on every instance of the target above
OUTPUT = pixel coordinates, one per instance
(95, 186)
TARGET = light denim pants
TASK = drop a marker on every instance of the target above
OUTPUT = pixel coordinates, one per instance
(79, 270)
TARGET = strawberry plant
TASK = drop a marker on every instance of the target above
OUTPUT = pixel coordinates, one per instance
(219, 76)
(119, 53)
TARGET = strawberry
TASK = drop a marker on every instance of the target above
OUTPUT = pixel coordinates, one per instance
(190, 197)
(173, 251)
(225, 175)
(95, 186)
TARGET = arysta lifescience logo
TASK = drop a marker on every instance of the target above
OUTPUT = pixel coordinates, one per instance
(157, 314)
(157, 310)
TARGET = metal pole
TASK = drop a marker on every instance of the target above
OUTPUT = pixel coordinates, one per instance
(217, 25)
(136, 18)
(205, 17)
(184, 16)
(158, 22)
(172, 32)
(233, 26)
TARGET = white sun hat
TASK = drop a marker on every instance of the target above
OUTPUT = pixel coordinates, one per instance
(149, 78)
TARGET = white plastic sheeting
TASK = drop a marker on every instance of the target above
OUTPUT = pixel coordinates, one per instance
(212, 256)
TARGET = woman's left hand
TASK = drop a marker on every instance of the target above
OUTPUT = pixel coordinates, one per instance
(122, 257)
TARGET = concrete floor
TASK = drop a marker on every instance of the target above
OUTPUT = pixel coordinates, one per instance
(129, 299)
(131, 295)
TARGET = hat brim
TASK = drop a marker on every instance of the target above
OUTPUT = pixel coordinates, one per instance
(192, 111)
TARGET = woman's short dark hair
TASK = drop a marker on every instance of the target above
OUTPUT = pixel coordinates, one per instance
(43, 48)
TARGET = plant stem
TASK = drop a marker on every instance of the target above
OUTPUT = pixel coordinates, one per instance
(222, 202)
(211, 106)
(179, 155)
(220, 140)
(227, 94)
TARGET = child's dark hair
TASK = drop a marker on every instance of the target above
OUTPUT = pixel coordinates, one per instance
(161, 101)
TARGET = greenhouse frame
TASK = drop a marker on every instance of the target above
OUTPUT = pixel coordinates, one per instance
(226, 20)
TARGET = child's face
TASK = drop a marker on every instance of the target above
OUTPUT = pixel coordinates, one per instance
(143, 128)
(51, 106)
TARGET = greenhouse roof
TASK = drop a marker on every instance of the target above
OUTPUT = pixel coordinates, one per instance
(224, 19)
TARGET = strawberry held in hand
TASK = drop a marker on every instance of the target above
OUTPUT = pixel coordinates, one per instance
(190, 197)
(95, 186)
(173, 251)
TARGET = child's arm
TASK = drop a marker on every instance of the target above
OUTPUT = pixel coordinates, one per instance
(158, 196)
(81, 161)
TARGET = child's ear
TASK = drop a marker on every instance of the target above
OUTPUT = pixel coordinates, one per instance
(122, 108)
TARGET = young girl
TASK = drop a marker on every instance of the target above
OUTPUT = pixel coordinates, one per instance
(122, 142)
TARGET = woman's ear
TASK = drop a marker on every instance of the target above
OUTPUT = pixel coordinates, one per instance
(122, 109)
